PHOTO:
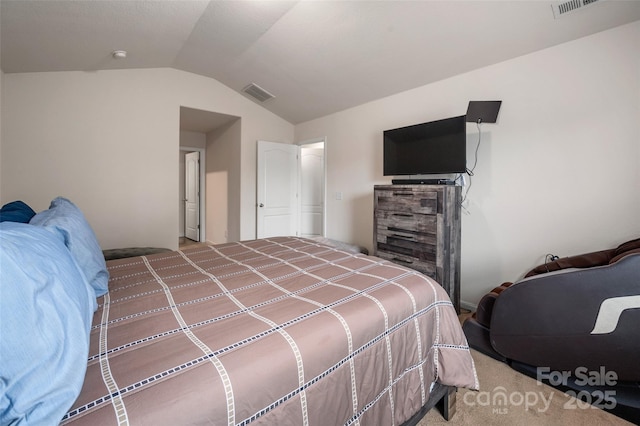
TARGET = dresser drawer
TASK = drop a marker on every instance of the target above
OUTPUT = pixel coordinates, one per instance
(427, 268)
(424, 250)
(407, 201)
(404, 237)
(410, 222)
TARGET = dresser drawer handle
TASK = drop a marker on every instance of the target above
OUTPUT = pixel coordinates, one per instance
(403, 214)
(397, 259)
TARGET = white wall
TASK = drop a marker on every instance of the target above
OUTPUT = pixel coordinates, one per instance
(108, 140)
(189, 139)
(223, 164)
(557, 174)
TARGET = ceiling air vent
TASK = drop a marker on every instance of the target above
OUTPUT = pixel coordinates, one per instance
(257, 93)
(563, 8)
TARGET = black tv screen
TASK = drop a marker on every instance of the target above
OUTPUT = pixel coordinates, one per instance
(428, 148)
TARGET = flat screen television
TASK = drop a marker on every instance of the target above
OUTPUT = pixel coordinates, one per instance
(436, 147)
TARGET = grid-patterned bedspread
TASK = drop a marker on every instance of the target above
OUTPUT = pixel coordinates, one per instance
(274, 331)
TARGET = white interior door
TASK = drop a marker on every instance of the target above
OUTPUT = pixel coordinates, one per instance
(311, 191)
(192, 196)
(277, 192)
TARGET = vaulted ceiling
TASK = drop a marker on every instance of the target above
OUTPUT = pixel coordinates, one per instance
(315, 57)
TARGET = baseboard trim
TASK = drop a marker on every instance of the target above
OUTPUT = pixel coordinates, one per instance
(471, 307)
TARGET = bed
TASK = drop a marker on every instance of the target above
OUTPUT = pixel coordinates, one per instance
(281, 330)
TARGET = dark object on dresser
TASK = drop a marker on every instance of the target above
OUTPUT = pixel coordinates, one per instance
(418, 226)
(577, 314)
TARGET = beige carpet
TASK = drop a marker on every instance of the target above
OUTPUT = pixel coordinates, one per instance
(528, 402)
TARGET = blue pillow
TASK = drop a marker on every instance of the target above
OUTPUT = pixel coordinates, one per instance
(16, 211)
(64, 216)
(46, 310)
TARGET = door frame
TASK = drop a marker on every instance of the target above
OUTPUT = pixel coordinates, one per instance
(203, 189)
(299, 145)
(323, 140)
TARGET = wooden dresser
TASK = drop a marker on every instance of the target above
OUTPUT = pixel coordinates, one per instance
(419, 226)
